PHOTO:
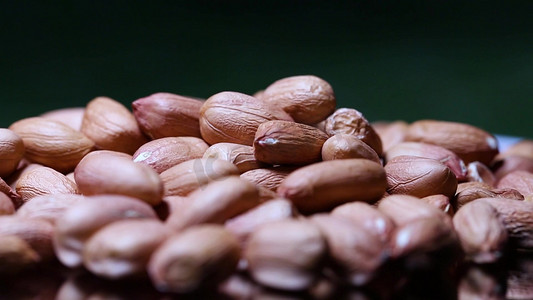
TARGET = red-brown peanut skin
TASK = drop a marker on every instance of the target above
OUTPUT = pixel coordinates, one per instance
(164, 153)
(269, 178)
(36, 233)
(84, 218)
(184, 178)
(242, 156)
(122, 249)
(234, 117)
(517, 216)
(286, 254)
(11, 151)
(445, 156)
(288, 143)
(324, 185)
(307, 99)
(273, 210)
(509, 163)
(168, 115)
(390, 133)
(403, 209)
(482, 234)
(71, 116)
(422, 235)
(344, 146)
(6, 205)
(48, 207)
(42, 181)
(217, 202)
(351, 121)
(355, 253)
(200, 257)
(419, 177)
(522, 181)
(106, 172)
(52, 143)
(470, 143)
(366, 216)
(111, 126)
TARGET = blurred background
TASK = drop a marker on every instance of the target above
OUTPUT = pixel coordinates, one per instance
(450, 60)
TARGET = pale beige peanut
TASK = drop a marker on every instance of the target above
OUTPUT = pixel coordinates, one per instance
(199, 257)
(269, 178)
(11, 151)
(351, 121)
(307, 99)
(273, 210)
(23, 168)
(241, 156)
(470, 143)
(482, 234)
(443, 155)
(6, 205)
(288, 143)
(356, 253)
(183, 178)
(419, 177)
(84, 218)
(403, 209)
(368, 217)
(168, 115)
(217, 202)
(110, 172)
(111, 126)
(234, 117)
(123, 248)
(342, 146)
(164, 153)
(36, 233)
(517, 216)
(70, 116)
(324, 185)
(286, 254)
(42, 181)
(16, 255)
(52, 143)
(48, 207)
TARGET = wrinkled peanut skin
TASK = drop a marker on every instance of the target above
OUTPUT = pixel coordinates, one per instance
(71, 116)
(42, 181)
(234, 117)
(242, 156)
(419, 177)
(52, 143)
(307, 99)
(111, 126)
(470, 143)
(351, 121)
(11, 151)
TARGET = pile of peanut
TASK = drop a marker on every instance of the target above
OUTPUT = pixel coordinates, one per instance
(237, 193)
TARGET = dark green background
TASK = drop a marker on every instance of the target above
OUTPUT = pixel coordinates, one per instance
(449, 60)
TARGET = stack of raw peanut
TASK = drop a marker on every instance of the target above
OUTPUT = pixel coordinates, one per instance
(238, 193)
